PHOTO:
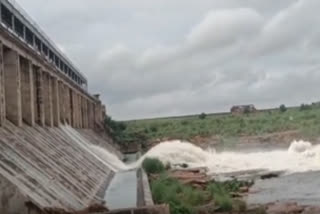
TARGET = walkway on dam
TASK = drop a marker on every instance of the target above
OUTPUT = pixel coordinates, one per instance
(122, 191)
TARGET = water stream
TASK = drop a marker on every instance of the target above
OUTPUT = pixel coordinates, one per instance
(122, 191)
(301, 156)
(300, 164)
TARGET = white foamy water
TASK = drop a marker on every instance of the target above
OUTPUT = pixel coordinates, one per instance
(102, 154)
(108, 158)
(301, 156)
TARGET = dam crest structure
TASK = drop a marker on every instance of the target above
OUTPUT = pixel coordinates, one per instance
(49, 125)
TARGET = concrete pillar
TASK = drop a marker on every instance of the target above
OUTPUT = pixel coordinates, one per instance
(38, 95)
(80, 111)
(84, 113)
(2, 91)
(62, 102)
(95, 115)
(73, 108)
(89, 114)
(76, 110)
(55, 101)
(47, 89)
(27, 93)
(93, 109)
(69, 104)
(103, 113)
(98, 113)
(12, 86)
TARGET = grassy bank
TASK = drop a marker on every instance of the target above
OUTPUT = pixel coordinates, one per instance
(304, 119)
(185, 198)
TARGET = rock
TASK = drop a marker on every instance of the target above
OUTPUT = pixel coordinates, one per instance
(269, 175)
(184, 165)
(193, 177)
(284, 208)
(94, 208)
(255, 209)
(311, 210)
(244, 189)
(236, 195)
(206, 209)
(239, 206)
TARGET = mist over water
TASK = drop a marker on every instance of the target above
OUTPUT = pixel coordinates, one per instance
(301, 156)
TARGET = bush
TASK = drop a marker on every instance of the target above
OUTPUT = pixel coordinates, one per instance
(192, 196)
(153, 165)
(153, 129)
(114, 125)
(202, 116)
(224, 202)
(221, 196)
(180, 197)
(304, 107)
(283, 108)
(184, 122)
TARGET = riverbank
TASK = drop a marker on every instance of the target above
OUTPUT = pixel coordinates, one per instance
(280, 176)
(192, 191)
(264, 127)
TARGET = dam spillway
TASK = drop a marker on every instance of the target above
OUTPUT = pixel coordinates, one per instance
(54, 152)
(49, 168)
(57, 167)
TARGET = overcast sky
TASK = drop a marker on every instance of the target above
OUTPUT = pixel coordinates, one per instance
(152, 58)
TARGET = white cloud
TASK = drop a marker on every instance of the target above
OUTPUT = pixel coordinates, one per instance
(289, 27)
(159, 58)
(224, 27)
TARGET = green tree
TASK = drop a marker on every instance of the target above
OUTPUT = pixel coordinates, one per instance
(202, 116)
(304, 107)
(283, 108)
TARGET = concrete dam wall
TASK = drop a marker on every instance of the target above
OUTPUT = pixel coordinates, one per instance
(53, 151)
(50, 167)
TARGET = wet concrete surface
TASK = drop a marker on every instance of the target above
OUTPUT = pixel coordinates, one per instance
(122, 191)
(302, 188)
(131, 157)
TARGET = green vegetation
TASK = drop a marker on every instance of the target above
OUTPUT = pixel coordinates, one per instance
(202, 116)
(185, 199)
(283, 108)
(153, 165)
(304, 107)
(305, 119)
(120, 133)
(221, 196)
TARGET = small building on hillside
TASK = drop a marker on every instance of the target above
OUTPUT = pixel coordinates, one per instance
(241, 109)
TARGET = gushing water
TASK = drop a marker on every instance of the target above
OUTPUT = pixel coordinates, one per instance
(301, 156)
(108, 157)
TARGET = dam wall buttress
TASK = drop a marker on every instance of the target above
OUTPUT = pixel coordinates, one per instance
(33, 91)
